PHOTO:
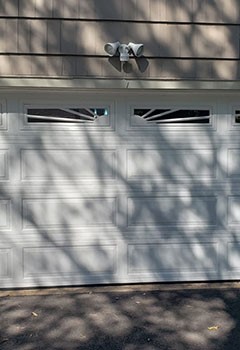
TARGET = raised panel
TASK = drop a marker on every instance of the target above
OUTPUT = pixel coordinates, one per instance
(233, 163)
(147, 258)
(171, 164)
(65, 213)
(164, 211)
(5, 214)
(84, 260)
(5, 263)
(66, 164)
(234, 210)
(3, 117)
(4, 165)
(233, 255)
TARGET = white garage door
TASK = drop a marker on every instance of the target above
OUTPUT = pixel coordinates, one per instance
(114, 188)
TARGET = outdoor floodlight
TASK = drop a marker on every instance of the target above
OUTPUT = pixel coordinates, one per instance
(111, 48)
(137, 49)
(123, 50)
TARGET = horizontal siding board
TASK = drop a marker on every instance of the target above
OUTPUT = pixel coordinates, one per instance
(110, 68)
(82, 66)
(204, 69)
(97, 67)
(207, 11)
(21, 65)
(3, 35)
(102, 9)
(220, 11)
(11, 32)
(110, 32)
(87, 10)
(169, 41)
(156, 10)
(178, 11)
(142, 10)
(54, 66)
(225, 70)
(89, 38)
(68, 37)
(152, 36)
(46, 66)
(2, 8)
(24, 36)
(6, 66)
(70, 9)
(164, 40)
(129, 11)
(38, 36)
(137, 10)
(69, 66)
(86, 34)
(53, 36)
(172, 69)
(9, 8)
(44, 8)
(27, 8)
(39, 66)
(15, 66)
(217, 41)
(57, 9)
(93, 36)
(195, 69)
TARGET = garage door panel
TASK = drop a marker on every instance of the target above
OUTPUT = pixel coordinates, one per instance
(160, 257)
(4, 122)
(68, 212)
(164, 211)
(233, 163)
(233, 203)
(4, 164)
(171, 165)
(170, 138)
(67, 164)
(64, 260)
(5, 263)
(233, 255)
(5, 214)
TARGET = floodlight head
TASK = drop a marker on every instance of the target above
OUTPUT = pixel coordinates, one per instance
(111, 48)
(124, 52)
(137, 49)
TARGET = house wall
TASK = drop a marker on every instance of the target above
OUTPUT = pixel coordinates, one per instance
(183, 39)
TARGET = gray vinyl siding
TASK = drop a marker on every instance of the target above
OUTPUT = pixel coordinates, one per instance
(205, 11)
(183, 39)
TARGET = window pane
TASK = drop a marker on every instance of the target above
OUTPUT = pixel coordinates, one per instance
(237, 116)
(65, 115)
(179, 116)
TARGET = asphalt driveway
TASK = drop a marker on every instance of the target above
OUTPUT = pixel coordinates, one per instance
(140, 317)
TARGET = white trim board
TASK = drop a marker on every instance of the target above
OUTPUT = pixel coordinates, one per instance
(116, 84)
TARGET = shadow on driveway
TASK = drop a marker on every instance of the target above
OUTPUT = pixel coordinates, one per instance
(127, 318)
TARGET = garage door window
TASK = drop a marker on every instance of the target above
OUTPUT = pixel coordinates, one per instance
(237, 116)
(65, 115)
(176, 116)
